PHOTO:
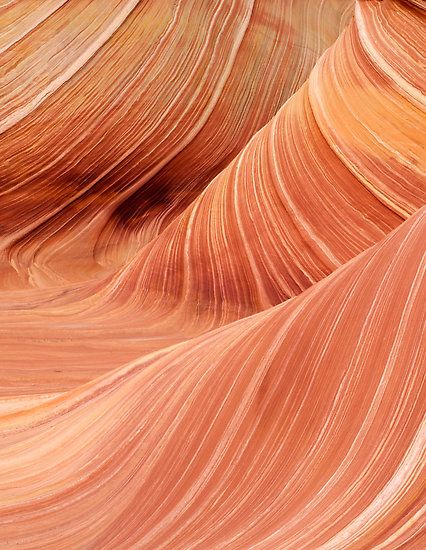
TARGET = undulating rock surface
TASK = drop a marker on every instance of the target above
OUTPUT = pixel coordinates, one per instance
(127, 113)
(212, 274)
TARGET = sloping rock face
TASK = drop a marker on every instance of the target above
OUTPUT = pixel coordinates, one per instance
(212, 274)
(113, 120)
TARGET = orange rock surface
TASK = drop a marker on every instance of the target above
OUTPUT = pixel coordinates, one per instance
(212, 274)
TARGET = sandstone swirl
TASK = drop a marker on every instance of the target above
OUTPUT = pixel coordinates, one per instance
(298, 427)
(212, 273)
(129, 112)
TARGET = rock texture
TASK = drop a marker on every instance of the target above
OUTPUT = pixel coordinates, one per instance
(127, 113)
(212, 273)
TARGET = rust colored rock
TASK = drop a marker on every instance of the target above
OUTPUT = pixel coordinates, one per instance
(212, 274)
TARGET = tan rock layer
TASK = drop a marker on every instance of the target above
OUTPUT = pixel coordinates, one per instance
(128, 112)
(329, 176)
(299, 427)
(211, 337)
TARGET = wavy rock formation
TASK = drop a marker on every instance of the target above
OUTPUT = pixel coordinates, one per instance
(325, 179)
(212, 263)
(144, 104)
(299, 427)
